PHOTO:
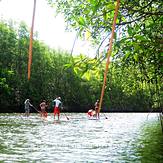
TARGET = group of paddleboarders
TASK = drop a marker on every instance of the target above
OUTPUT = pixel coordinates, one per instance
(57, 106)
(56, 103)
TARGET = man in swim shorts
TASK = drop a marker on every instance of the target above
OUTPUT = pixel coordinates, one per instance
(57, 106)
(27, 105)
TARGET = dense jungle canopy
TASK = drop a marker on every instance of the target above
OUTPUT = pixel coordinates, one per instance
(135, 74)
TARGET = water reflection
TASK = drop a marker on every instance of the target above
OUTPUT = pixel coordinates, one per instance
(127, 137)
(150, 143)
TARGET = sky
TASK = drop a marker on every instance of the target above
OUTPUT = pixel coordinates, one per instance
(51, 29)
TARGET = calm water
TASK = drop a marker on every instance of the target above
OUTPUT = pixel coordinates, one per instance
(122, 138)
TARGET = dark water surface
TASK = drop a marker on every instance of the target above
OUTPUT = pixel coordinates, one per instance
(122, 138)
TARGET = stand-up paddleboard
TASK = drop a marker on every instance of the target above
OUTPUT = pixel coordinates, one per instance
(93, 116)
(94, 119)
(61, 121)
(55, 121)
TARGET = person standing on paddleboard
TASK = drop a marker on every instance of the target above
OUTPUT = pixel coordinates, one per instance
(57, 106)
(27, 105)
(97, 109)
(43, 106)
(94, 112)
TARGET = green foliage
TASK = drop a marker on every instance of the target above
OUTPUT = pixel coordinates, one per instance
(135, 77)
(53, 72)
(151, 137)
(138, 40)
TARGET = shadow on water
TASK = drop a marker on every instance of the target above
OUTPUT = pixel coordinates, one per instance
(149, 146)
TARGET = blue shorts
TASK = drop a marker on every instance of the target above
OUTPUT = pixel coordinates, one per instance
(27, 110)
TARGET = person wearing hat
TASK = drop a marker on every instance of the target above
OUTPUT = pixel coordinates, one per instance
(57, 106)
(27, 105)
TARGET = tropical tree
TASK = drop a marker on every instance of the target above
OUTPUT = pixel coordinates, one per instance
(138, 35)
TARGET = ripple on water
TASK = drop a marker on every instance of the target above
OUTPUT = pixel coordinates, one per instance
(78, 140)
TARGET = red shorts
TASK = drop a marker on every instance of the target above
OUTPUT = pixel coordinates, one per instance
(56, 111)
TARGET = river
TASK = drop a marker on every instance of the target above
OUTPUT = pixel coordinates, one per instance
(121, 138)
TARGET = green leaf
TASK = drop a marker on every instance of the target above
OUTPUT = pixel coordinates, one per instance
(136, 47)
(81, 21)
(136, 57)
(127, 55)
(10, 72)
(111, 6)
(129, 30)
(87, 75)
(68, 65)
(140, 37)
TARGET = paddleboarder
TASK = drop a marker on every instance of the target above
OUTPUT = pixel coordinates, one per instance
(57, 105)
(27, 105)
(43, 107)
(97, 109)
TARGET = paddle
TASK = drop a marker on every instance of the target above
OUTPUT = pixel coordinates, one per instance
(65, 114)
(105, 116)
(35, 109)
